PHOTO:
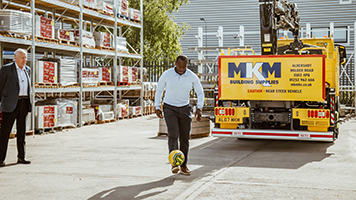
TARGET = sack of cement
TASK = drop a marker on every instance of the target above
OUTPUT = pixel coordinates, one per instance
(16, 22)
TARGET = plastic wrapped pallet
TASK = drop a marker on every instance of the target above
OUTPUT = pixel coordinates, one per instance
(122, 108)
(88, 3)
(46, 72)
(123, 75)
(67, 112)
(120, 44)
(90, 76)
(105, 7)
(123, 6)
(87, 38)
(106, 116)
(88, 115)
(64, 35)
(135, 110)
(46, 116)
(44, 27)
(134, 14)
(104, 74)
(134, 74)
(67, 72)
(102, 39)
(16, 22)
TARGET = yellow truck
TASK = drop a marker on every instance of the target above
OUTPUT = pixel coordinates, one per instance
(292, 94)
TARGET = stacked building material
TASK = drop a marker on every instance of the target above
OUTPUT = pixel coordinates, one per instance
(64, 35)
(46, 116)
(67, 112)
(134, 74)
(123, 6)
(134, 14)
(123, 74)
(104, 74)
(135, 111)
(90, 76)
(120, 44)
(16, 22)
(44, 27)
(87, 38)
(105, 7)
(88, 115)
(88, 3)
(67, 72)
(46, 72)
(102, 39)
(122, 108)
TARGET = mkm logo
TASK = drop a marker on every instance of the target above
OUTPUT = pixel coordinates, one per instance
(247, 70)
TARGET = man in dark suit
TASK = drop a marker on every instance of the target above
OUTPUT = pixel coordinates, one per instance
(15, 95)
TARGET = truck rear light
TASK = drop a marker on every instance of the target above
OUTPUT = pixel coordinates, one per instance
(233, 112)
(309, 113)
(327, 114)
(216, 111)
(316, 113)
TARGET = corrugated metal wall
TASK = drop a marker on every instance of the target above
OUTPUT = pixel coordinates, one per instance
(232, 14)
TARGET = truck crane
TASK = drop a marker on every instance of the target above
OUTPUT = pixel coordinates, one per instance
(289, 92)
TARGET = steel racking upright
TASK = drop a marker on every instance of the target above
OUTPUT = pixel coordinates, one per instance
(71, 12)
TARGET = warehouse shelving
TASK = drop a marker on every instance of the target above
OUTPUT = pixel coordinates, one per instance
(72, 14)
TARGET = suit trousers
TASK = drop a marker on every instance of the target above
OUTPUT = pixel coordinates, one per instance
(179, 122)
(8, 120)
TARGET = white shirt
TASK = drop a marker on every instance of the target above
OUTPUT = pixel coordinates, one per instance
(23, 80)
(178, 88)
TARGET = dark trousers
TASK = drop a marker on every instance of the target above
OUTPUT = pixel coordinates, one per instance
(178, 121)
(8, 120)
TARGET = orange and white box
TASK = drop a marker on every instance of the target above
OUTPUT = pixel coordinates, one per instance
(122, 108)
(135, 110)
(104, 74)
(46, 72)
(44, 27)
(134, 74)
(46, 116)
(64, 35)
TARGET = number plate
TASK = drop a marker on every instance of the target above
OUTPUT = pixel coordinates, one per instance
(228, 120)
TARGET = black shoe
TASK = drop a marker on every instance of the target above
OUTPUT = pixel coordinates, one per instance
(23, 161)
(2, 163)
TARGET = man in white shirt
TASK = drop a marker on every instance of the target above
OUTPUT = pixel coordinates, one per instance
(177, 83)
(15, 93)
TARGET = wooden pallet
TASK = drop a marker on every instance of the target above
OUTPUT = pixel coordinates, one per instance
(105, 84)
(48, 40)
(90, 123)
(90, 8)
(106, 13)
(106, 121)
(123, 17)
(30, 132)
(12, 35)
(71, 86)
(199, 135)
(123, 83)
(68, 42)
(105, 48)
(121, 118)
(47, 85)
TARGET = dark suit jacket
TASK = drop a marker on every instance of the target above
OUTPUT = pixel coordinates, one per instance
(9, 87)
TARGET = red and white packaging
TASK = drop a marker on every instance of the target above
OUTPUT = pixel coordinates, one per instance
(134, 14)
(67, 112)
(134, 74)
(90, 76)
(46, 72)
(122, 108)
(124, 75)
(89, 3)
(102, 39)
(87, 38)
(104, 74)
(135, 110)
(46, 116)
(64, 35)
(123, 8)
(44, 27)
(106, 7)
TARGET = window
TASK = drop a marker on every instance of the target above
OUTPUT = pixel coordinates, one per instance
(340, 33)
(345, 1)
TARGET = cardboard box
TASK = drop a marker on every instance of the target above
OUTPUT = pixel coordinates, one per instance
(46, 72)
(46, 116)
(44, 27)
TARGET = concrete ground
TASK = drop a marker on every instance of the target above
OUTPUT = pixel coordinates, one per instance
(127, 160)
